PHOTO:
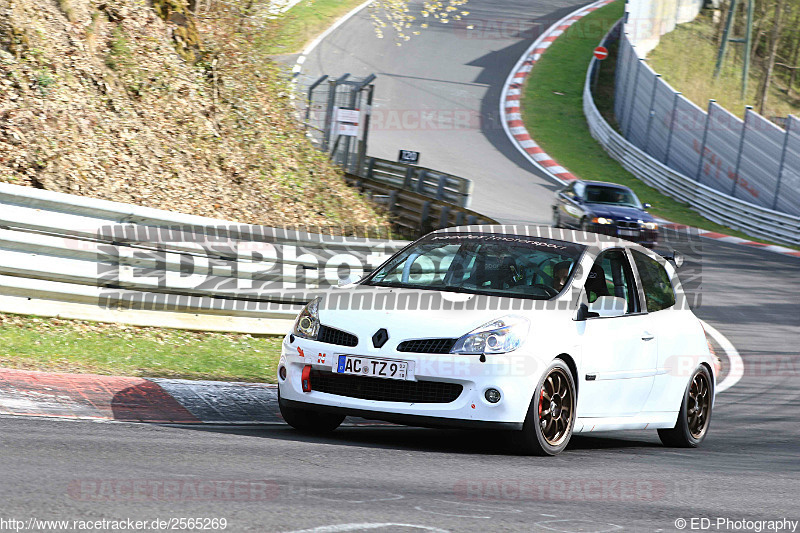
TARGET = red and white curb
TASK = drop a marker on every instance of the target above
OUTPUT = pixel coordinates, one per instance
(512, 92)
(155, 400)
(511, 112)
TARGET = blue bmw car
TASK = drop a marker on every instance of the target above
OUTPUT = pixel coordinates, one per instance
(605, 208)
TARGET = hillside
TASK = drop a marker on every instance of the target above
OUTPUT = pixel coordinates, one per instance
(144, 103)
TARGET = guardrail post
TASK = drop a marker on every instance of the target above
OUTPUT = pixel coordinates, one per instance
(409, 177)
(393, 202)
(671, 126)
(705, 138)
(741, 147)
(652, 113)
(440, 188)
(423, 217)
(471, 220)
(443, 216)
(421, 177)
(371, 168)
(460, 218)
(789, 122)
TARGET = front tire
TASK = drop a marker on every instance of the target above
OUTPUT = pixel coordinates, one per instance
(695, 415)
(309, 421)
(551, 415)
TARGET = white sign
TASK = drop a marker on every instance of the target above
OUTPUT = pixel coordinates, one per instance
(348, 130)
(348, 115)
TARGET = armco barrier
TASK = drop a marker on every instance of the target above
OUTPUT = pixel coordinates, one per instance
(427, 182)
(77, 257)
(711, 203)
(415, 213)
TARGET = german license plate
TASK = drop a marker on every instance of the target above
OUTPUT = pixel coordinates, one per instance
(628, 232)
(371, 367)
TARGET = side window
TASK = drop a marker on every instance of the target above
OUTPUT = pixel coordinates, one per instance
(611, 275)
(658, 291)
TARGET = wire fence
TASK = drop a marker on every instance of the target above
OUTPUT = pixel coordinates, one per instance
(753, 159)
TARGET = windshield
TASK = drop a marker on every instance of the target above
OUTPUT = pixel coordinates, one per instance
(611, 195)
(483, 263)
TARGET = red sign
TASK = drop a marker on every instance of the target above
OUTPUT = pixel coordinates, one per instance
(601, 52)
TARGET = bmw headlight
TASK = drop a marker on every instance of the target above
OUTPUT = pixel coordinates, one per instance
(602, 220)
(649, 225)
(307, 323)
(503, 335)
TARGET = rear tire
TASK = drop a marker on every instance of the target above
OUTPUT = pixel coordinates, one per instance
(309, 421)
(551, 414)
(695, 414)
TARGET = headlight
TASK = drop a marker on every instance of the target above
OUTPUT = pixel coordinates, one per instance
(649, 225)
(307, 323)
(498, 336)
(601, 220)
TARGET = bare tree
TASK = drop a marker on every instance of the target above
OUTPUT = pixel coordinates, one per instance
(773, 51)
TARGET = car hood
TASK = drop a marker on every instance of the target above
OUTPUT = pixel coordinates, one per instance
(414, 314)
(620, 212)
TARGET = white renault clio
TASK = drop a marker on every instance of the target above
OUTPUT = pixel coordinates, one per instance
(541, 331)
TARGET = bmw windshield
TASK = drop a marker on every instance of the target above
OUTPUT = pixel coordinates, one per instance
(597, 194)
(515, 266)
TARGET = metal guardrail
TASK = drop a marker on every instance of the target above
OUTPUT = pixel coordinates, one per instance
(77, 257)
(414, 213)
(712, 204)
(427, 182)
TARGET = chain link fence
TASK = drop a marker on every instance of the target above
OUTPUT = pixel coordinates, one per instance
(753, 159)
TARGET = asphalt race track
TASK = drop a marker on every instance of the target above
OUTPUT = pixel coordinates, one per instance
(434, 480)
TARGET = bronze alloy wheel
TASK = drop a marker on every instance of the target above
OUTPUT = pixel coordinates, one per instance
(698, 405)
(556, 405)
(694, 417)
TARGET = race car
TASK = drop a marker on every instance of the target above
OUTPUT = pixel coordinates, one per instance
(605, 208)
(544, 332)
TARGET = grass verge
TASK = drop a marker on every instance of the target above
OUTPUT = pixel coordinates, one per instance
(552, 110)
(302, 23)
(58, 345)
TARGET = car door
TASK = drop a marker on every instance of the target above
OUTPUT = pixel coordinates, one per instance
(677, 334)
(619, 353)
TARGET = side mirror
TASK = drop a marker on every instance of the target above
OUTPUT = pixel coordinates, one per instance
(608, 306)
(647, 206)
(349, 280)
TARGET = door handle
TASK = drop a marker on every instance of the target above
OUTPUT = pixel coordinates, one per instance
(647, 336)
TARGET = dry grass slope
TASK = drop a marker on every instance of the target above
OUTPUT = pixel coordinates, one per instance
(120, 100)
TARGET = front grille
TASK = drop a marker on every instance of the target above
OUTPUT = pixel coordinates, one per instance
(427, 345)
(627, 224)
(330, 335)
(384, 390)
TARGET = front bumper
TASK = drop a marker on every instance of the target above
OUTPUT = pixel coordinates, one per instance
(645, 237)
(515, 375)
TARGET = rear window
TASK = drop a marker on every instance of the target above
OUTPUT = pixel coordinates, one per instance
(658, 292)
